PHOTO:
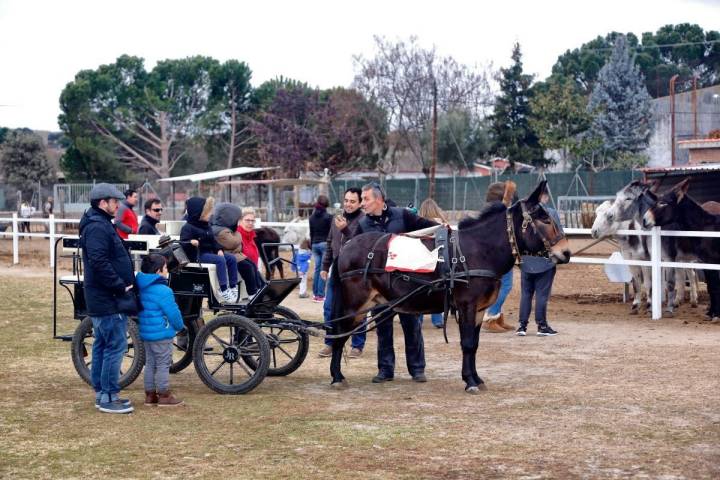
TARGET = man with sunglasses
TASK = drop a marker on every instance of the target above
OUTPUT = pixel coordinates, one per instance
(153, 212)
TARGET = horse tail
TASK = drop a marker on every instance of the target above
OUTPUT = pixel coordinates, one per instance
(337, 310)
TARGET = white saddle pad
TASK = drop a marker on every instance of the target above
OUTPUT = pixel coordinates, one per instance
(407, 254)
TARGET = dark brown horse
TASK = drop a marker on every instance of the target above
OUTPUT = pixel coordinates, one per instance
(265, 235)
(488, 248)
(678, 209)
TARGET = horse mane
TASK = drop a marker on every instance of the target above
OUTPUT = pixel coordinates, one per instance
(490, 209)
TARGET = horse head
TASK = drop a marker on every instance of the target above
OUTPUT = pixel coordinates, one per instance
(667, 208)
(603, 226)
(544, 236)
(632, 201)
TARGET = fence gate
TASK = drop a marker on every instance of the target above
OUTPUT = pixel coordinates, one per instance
(579, 211)
(72, 199)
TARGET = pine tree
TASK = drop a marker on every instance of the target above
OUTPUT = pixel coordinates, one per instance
(24, 160)
(620, 105)
(513, 136)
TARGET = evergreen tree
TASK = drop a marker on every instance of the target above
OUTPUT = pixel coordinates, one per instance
(620, 105)
(24, 160)
(513, 136)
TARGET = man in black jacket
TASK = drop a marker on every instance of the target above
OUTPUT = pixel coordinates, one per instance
(108, 279)
(153, 212)
(381, 218)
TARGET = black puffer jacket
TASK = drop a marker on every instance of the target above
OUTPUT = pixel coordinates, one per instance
(196, 229)
(106, 263)
(393, 220)
(320, 223)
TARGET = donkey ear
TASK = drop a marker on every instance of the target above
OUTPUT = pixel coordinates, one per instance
(681, 188)
(534, 197)
(509, 194)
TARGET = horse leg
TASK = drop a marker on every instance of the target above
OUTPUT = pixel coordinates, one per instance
(469, 339)
(692, 278)
(637, 289)
(670, 285)
(647, 286)
(338, 379)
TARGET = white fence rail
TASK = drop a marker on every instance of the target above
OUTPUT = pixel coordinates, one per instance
(655, 263)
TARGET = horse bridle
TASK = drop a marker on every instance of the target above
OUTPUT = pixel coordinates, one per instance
(528, 220)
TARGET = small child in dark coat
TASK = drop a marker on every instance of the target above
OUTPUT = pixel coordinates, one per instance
(159, 321)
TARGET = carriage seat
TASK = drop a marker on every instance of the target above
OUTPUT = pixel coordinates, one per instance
(71, 279)
(214, 282)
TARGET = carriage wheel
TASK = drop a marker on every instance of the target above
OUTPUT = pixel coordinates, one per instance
(219, 350)
(183, 347)
(81, 352)
(288, 347)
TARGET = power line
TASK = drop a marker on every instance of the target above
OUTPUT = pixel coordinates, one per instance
(642, 47)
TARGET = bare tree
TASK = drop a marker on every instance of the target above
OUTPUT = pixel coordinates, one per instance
(400, 78)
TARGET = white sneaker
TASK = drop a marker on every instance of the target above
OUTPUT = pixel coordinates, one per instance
(227, 296)
(234, 291)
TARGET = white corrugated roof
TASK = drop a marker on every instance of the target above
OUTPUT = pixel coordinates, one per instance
(230, 172)
(702, 167)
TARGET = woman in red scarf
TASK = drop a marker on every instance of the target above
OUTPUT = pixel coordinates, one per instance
(246, 228)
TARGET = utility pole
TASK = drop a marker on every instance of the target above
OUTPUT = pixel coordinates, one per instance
(433, 153)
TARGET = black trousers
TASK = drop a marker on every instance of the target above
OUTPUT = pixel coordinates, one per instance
(538, 285)
(249, 274)
(414, 345)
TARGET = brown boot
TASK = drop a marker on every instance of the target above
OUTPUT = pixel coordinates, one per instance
(501, 323)
(166, 399)
(151, 398)
(493, 326)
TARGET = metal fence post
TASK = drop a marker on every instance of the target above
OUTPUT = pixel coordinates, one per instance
(51, 233)
(16, 247)
(657, 287)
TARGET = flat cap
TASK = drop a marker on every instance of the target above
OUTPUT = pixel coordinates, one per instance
(105, 190)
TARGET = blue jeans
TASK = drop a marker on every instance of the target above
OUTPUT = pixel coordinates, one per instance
(318, 250)
(437, 319)
(505, 287)
(358, 340)
(225, 266)
(539, 285)
(109, 347)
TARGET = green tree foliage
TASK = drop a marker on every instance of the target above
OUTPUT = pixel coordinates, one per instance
(560, 117)
(462, 138)
(620, 105)
(24, 160)
(690, 51)
(231, 101)
(146, 117)
(512, 135)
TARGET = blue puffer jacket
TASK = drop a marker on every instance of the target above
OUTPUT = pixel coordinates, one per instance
(108, 268)
(160, 318)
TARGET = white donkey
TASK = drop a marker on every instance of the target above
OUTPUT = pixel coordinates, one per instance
(295, 232)
(630, 204)
(631, 249)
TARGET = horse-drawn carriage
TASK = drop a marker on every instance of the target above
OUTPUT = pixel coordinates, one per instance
(232, 353)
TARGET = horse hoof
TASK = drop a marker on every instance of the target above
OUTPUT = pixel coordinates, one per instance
(669, 314)
(341, 385)
(693, 305)
(634, 311)
(475, 389)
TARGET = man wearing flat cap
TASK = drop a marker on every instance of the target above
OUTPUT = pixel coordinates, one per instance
(108, 281)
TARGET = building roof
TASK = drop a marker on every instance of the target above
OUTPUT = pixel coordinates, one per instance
(280, 182)
(230, 172)
(683, 169)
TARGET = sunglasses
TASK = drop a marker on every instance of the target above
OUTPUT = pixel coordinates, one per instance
(157, 210)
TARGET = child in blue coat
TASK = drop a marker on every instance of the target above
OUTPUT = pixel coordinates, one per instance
(301, 259)
(159, 322)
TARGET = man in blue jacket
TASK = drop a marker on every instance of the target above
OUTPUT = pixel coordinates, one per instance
(379, 217)
(108, 279)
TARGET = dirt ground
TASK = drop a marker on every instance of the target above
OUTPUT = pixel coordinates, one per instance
(612, 396)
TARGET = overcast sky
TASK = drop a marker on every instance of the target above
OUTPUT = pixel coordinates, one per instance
(43, 44)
